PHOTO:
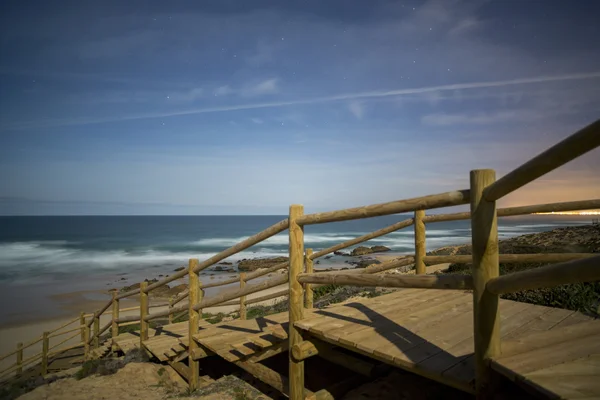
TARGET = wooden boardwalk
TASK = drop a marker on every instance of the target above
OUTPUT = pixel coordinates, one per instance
(427, 332)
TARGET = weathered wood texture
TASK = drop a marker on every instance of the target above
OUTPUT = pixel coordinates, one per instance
(419, 242)
(420, 203)
(296, 306)
(194, 319)
(463, 282)
(561, 153)
(484, 228)
(583, 270)
(19, 358)
(143, 312)
(44, 366)
(115, 317)
(512, 258)
(242, 298)
(308, 290)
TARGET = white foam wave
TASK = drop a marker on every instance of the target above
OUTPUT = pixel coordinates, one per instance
(18, 256)
(278, 240)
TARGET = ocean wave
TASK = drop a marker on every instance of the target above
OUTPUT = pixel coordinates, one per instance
(14, 256)
(278, 240)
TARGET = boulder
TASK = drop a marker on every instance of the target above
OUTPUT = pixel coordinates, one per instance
(130, 287)
(365, 263)
(380, 249)
(257, 263)
(225, 263)
(361, 250)
(340, 253)
(179, 269)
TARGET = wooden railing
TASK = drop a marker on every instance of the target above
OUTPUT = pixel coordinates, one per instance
(484, 281)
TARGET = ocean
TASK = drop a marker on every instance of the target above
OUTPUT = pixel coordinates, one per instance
(41, 257)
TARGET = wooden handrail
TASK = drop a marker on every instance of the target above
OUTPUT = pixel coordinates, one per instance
(78, 329)
(101, 311)
(383, 231)
(35, 341)
(523, 210)
(243, 245)
(402, 281)
(64, 325)
(64, 341)
(576, 271)
(512, 258)
(561, 153)
(447, 199)
(230, 295)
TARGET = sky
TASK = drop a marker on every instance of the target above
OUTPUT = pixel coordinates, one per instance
(239, 107)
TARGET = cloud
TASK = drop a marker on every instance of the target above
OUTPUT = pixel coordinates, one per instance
(444, 119)
(223, 90)
(356, 108)
(269, 86)
(257, 120)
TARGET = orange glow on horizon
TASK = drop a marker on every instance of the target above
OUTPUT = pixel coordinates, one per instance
(590, 212)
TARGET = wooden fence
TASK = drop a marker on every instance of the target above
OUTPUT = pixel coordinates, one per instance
(484, 281)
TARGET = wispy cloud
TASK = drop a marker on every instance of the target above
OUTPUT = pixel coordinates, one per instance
(269, 86)
(445, 119)
(265, 87)
(357, 109)
(257, 120)
(223, 90)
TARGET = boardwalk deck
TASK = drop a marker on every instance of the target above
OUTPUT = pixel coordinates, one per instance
(425, 331)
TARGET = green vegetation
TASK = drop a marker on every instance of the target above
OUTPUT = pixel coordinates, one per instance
(88, 368)
(583, 297)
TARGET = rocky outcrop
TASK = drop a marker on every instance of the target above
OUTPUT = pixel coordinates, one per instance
(257, 263)
(341, 253)
(380, 249)
(361, 250)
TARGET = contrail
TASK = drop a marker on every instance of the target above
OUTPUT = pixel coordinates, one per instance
(324, 99)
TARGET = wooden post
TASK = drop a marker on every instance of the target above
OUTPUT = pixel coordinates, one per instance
(45, 353)
(484, 231)
(194, 321)
(243, 298)
(115, 317)
(86, 342)
(308, 290)
(81, 324)
(296, 249)
(419, 242)
(170, 308)
(19, 358)
(96, 331)
(143, 313)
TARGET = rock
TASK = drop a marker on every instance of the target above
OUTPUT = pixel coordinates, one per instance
(225, 263)
(365, 263)
(341, 253)
(130, 287)
(151, 281)
(361, 250)
(223, 269)
(328, 257)
(123, 279)
(179, 269)
(380, 249)
(318, 262)
(257, 263)
(175, 290)
(160, 275)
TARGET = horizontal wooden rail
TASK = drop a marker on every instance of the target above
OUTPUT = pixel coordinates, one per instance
(66, 340)
(64, 325)
(512, 258)
(266, 271)
(243, 245)
(129, 323)
(401, 281)
(523, 210)
(383, 231)
(23, 364)
(31, 343)
(576, 271)
(78, 329)
(221, 298)
(130, 318)
(561, 153)
(281, 293)
(447, 199)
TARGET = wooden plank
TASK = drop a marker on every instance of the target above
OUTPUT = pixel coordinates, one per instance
(542, 322)
(569, 387)
(509, 310)
(261, 342)
(346, 317)
(572, 319)
(242, 348)
(555, 353)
